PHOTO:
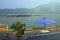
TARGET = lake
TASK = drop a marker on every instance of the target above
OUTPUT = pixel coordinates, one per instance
(30, 21)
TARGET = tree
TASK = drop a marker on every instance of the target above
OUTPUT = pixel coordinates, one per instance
(18, 28)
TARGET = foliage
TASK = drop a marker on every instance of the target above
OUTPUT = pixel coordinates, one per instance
(18, 27)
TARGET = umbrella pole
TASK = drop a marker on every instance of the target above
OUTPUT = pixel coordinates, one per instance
(44, 26)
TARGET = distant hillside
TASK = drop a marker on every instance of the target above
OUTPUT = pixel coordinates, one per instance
(51, 8)
(15, 11)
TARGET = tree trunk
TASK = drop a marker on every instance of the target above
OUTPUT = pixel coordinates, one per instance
(20, 37)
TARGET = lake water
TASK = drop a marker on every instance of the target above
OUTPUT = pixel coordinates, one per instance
(30, 21)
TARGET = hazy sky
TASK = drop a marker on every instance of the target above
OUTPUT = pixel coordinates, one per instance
(23, 3)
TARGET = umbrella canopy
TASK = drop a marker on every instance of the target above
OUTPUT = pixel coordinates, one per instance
(45, 21)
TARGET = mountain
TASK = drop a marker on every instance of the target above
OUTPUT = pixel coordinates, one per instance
(15, 11)
(51, 8)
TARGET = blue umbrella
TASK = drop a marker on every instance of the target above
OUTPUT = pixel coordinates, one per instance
(45, 21)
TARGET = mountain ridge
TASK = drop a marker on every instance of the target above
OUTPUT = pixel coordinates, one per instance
(15, 11)
(52, 8)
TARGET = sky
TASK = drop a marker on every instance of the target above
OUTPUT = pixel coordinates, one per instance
(12, 4)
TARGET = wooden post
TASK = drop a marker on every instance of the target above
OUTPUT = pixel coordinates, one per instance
(7, 27)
